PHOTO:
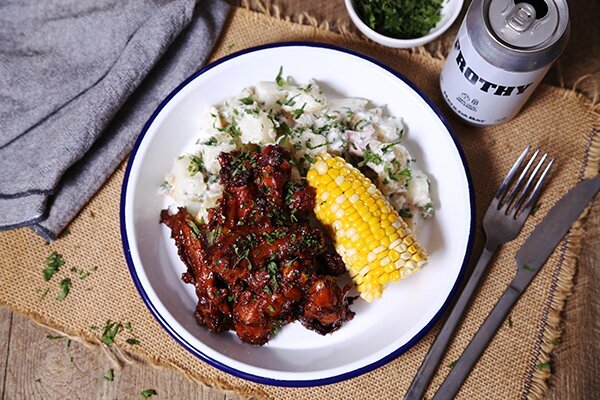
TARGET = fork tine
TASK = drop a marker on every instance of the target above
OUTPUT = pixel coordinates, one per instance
(506, 182)
(515, 190)
(525, 190)
(537, 190)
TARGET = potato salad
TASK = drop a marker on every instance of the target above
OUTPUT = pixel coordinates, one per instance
(302, 119)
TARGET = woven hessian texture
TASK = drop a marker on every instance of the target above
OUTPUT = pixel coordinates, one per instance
(554, 119)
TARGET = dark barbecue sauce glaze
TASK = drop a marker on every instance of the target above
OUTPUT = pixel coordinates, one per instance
(258, 264)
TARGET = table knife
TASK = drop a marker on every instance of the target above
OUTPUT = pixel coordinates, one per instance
(530, 258)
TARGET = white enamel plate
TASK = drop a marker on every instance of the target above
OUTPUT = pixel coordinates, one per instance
(380, 331)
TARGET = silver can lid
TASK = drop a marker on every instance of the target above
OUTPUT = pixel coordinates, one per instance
(524, 24)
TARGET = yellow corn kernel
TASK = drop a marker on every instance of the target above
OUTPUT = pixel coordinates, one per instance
(374, 242)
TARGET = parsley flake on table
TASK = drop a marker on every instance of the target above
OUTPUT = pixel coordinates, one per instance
(132, 341)
(110, 331)
(53, 262)
(543, 366)
(110, 375)
(52, 337)
(146, 394)
(452, 364)
(65, 288)
(406, 19)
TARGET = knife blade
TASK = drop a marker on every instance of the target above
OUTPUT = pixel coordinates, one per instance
(530, 258)
(546, 236)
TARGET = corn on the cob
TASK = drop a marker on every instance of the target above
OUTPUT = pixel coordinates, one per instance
(375, 243)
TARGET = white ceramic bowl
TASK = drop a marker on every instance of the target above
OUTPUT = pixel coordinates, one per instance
(450, 10)
(380, 331)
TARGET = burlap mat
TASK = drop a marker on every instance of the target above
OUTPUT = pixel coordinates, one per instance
(514, 364)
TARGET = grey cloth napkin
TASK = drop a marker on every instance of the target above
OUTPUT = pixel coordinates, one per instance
(78, 81)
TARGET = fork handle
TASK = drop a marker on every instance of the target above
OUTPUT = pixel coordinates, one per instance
(437, 350)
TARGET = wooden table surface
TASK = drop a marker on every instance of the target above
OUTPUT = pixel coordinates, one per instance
(35, 367)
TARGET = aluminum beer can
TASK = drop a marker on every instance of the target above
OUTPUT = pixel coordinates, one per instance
(501, 53)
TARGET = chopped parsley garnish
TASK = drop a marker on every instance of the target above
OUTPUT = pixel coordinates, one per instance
(210, 142)
(252, 111)
(288, 102)
(317, 146)
(395, 176)
(528, 268)
(82, 273)
(391, 144)
(270, 308)
(92, 215)
(298, 112)
(166, 186)
(406, 173)
(230, 298)
(242, 248)
(279, 78)
(284, 129)
(267, 290)
(306, 88)
(370, 157)
(53, 262)
(349, 112)
(195, 230)
(272, 267)
(277, 327)
(310, 159)
(452, 364)
(360, 124)
(310, 241)
(273, 236)
(535, 209)
(429, 209)
(110, 331)
(232, 129)
(132, 341)
(146, 394)
(52, 337)
(247, 100)
(406, 19)
(110, 375)
(65, 287)
(405, 213)
(543, 366)
(196, 164)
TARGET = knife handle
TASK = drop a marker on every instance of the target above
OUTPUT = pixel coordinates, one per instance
(436, 352)
(484, 335)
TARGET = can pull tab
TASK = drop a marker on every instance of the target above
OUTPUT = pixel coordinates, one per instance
(521, 17)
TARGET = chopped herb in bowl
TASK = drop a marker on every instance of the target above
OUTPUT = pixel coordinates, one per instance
(400, 19)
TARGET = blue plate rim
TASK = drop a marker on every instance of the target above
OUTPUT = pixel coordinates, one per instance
(261, 379)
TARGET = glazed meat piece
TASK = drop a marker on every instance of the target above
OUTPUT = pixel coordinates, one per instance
(212, 310)
(260, 262)
(326, 308)
(252, 324)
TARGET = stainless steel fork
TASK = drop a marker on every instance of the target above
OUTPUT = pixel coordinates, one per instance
(502, 222)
